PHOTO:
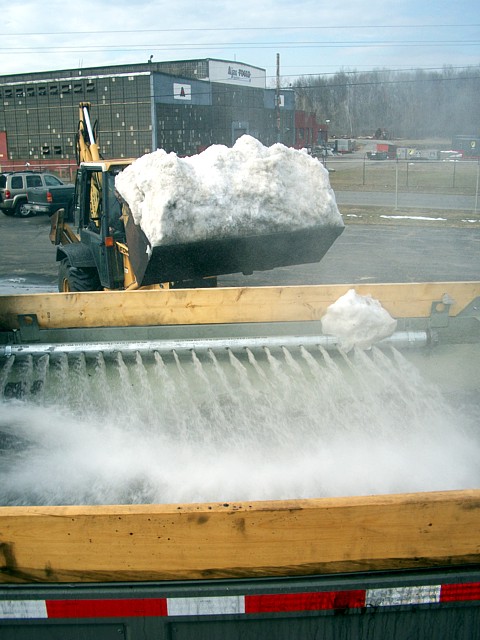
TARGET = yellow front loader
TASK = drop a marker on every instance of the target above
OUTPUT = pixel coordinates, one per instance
(107, 250)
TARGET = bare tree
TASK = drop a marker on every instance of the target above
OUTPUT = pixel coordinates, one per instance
(412, 104)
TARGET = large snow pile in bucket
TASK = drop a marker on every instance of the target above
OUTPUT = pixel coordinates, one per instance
(249, 189)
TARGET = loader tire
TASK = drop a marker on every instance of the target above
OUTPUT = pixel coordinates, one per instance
(77, 278)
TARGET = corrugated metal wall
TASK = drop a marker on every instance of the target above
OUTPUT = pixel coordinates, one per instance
(137, 111)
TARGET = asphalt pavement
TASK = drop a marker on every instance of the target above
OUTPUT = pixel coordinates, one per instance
(363, 253)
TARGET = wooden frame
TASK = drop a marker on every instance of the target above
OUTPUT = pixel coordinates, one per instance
(223, 305)
(292, 537)
(249, 539)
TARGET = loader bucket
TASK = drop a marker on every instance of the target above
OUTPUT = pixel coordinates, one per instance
(214, 257)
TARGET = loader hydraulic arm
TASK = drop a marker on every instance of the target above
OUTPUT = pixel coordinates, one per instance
(87, 151)
(86, 147)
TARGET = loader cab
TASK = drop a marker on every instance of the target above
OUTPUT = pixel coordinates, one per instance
(95, 200)
(98, 219)
(87, 197)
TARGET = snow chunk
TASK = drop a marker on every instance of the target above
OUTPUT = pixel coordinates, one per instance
(357, 321)
(225, 192)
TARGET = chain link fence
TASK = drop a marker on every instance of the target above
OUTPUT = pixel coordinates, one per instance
(448, 177)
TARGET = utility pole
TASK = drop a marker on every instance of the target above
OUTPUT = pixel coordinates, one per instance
(277, 98)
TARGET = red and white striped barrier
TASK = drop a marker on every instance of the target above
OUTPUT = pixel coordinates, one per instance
(239, 605)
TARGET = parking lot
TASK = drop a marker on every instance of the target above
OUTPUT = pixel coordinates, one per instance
(363, 253)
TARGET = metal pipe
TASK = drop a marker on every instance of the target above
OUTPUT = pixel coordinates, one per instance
(400, 340)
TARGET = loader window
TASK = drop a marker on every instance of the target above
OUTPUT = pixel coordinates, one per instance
(91, 191)
(96, 198)
(113, 206)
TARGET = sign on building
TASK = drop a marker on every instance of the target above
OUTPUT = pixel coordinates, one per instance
(182, 91)
(236, 73)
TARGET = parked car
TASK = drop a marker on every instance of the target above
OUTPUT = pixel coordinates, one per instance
(50, 199)
(377, 155)
(14, 186)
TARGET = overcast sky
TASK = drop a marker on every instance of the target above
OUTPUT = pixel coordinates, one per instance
(311, 36)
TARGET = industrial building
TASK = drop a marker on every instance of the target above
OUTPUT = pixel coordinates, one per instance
(180, 106)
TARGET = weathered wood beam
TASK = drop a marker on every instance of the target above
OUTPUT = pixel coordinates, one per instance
(222, 305)
(200, 541)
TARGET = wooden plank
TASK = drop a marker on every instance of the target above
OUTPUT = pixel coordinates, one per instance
(248, 539)
(222, 305)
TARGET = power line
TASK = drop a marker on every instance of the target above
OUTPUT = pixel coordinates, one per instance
(369, 70)
(237, 45)
(382, 82)
(215, 29)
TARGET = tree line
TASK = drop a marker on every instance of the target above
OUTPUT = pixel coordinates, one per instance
(404, 104)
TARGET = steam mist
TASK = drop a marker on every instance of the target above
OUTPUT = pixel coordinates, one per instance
(228, 426)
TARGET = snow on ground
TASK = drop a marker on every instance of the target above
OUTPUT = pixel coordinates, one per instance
(357, 321)
(246, 190)
(18, 285)
(412, 218)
